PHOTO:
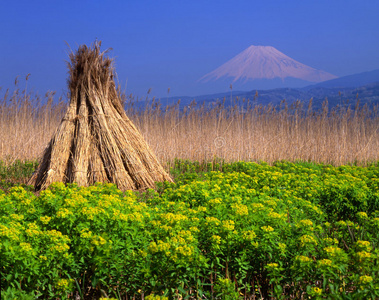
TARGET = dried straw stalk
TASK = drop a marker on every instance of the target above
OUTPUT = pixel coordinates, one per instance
(96, 141)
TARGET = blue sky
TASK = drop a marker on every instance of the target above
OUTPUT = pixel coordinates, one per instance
(162, 44)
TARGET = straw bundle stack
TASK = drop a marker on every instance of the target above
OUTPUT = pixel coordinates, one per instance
(96, 141)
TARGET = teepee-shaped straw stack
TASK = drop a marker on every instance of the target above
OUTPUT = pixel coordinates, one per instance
(96, 141)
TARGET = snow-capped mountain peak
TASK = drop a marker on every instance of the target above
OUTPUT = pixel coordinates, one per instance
(265, 62)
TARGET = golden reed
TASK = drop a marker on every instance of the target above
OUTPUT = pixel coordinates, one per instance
(253, 133)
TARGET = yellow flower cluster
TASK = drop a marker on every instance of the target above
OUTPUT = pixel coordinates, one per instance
(365, 279)
(273, 265)
(249, 235)
(282, 247)
(331, 241)
(60, 247)
(26, 247)
(228, 225)
(64, 213)
(240, 209)
(33, 230)
(363, 245)
(160, 247)
(317, 291)
(172, 218)
(45, 219)
(212, 221)
(257, 207)
(303, 259)
(305, 224)
(267, 228)
(64, 284)
(362, 215)
(216, 239)
(334, 251)
(85, 234)
(324, 262)
(307, 240)
(275, 215)
(363, 255)
(76, 200)
(12, 232)
(17, 217)
(136, 216)
(201, 209)
(91, 212)
(215, 201)
(97, 240)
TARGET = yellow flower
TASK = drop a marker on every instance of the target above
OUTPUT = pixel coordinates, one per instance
(324, 262)
(228, 225)
(63, 284)
(63, 213)
(216, 239)
(305, 223)
(61, 247)
(33, 230)
(307, 240)
(258, 206)
(98, 240)
(45, 219)
(267, 228)
(334, 251)
(215, 201)
(213, 220)
(365, 279)
(275, 215)
(303, 259)
(249, 235)
(201, 209)
(17, 217)
(341, 223)
(362, 255)
(85, 233)
(240, 209)
(26, 247)
(282, 247)
(316, 291)
(331, 241)
(194, 229)
(364, 245)
(12, 232)
(362, 215)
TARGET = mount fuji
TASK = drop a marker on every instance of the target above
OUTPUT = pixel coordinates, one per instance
(265, 64)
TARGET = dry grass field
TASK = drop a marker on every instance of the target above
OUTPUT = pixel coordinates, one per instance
(334, 136)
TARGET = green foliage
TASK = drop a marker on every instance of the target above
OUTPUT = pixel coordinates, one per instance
(225, 289)
(289, 230)
(16, 173)
(15, 294)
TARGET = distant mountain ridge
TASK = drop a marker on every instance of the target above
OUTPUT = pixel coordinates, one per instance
(350, 81)
(265, 62)
(341, 91)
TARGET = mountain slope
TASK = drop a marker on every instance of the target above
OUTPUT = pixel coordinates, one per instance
(265, 62)
(367, 94)
(350, 81)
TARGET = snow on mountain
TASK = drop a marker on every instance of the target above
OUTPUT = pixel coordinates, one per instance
(265, 62)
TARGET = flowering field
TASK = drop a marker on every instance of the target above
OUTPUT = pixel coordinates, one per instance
(249, 231)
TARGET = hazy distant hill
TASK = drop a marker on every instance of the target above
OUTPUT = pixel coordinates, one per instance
(350, 81)
(336, 96)
(341, 91)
